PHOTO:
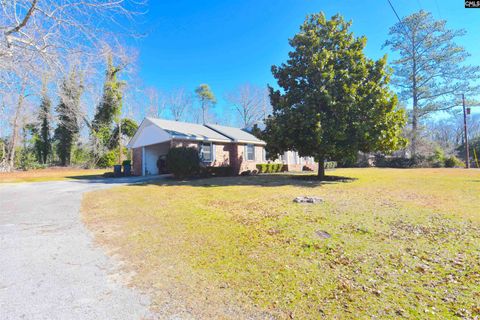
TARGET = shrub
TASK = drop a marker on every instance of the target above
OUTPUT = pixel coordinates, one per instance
(330, 164)
(382, 161)
(107, 160)
(453, 162)
(438, 158)
(183, 162)
(269, 168)
(262, 168)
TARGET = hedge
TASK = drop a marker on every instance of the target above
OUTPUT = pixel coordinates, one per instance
(330, 164)
(270, 167)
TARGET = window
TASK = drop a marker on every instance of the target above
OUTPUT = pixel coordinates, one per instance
(250, 152)
(206, 152)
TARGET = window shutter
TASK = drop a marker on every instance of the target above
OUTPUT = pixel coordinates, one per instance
(213, 152)
(245, 152)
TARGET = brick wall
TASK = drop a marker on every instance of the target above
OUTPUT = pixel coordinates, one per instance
(222, 151)
(241, 164)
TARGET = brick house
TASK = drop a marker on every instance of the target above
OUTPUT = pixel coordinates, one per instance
(217, 145)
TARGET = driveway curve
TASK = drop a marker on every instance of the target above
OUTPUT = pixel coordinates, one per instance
(49, 266)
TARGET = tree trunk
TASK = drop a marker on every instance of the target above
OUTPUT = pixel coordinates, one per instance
(15, 125)
(120, 141)
(321, 169)
(415, 102)
(413, 147)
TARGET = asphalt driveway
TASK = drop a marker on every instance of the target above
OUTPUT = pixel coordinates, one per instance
(49, 266)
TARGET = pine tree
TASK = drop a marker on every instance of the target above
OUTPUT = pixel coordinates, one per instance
(431, 71)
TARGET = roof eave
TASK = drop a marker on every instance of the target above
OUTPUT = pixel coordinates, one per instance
(176, 137)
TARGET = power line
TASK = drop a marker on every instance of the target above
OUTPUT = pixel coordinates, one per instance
(398, 17)
(394, 11)
(438, 9)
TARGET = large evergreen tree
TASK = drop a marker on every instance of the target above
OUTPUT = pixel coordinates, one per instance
(43, 143)
(430, 72)
(333, 100)
(69, 116)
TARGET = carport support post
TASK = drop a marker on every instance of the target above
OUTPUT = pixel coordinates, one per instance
(143, 161)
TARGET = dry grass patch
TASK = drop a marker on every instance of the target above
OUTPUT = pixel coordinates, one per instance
(50, 174)
(402, 243)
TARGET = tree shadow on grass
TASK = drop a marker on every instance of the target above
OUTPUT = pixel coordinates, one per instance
(272, 180)
(86, 177)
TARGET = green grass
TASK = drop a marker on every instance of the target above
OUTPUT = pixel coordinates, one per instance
(50, 174)
(404, 243)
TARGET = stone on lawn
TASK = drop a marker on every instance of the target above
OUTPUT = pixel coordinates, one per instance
(307, 200)
(322, 234)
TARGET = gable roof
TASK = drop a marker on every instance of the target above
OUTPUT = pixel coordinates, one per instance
(236, 134)
(188, 131)
(154, 130)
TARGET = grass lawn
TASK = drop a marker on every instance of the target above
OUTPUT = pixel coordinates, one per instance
(404, 243)
(50, 174)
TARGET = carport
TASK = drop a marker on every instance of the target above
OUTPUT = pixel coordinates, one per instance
(148, 147)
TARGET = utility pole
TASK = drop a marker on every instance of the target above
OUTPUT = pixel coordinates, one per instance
(465, 128)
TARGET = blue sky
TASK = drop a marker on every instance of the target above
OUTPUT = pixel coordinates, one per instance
(228, 43)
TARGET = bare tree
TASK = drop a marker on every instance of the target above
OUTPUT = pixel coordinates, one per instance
(250, 103)
(178, 104)
(156, 102)
(36, 36)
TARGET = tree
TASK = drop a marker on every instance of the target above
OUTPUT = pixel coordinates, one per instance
(39, 36)
(334, 101)
(108, 111)
(43, 143)
(206, 98)
(430, 71)
(69, 116)
(156, 102)
(249, 103)
(110, 104)
(129, 128)
(178, 104)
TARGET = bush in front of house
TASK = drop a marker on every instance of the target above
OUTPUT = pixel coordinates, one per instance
(453, 162)
(269, 167)
(330, 164)
(262, 167)
(183, 162)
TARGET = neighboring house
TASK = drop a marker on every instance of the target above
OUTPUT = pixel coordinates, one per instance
(217, 145)
(294, 162)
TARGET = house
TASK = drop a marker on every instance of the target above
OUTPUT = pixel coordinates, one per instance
(293, 162)
(217, 145)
